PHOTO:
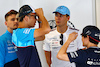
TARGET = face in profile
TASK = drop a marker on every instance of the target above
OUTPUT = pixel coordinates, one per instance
(31, 20)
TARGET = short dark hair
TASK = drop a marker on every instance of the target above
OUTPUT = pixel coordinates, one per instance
(90, 39)
(10, 13)
(20, 19)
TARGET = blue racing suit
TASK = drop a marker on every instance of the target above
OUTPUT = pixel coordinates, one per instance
(8, 55)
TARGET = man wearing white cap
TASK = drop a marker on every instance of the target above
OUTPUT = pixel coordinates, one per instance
(24, 36)
(55, 39)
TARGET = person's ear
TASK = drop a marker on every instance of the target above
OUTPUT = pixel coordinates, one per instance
(68, 18)
(26, 18)
(6, 23)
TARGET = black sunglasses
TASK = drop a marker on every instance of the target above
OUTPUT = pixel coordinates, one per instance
(33, 16)
(61, 36)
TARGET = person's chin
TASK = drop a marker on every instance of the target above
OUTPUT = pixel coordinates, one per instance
(14, 28)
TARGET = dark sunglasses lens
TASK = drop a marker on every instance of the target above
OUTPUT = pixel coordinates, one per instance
(61, 42)
(61, 36)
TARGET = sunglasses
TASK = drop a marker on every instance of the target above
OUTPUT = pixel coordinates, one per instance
(33, 16)
(61, 37)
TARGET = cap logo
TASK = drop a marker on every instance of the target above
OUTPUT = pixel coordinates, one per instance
(60, 7)
(88, 32)
(27, 11)
(98, 35)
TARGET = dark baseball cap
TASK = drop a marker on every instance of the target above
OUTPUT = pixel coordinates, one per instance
(92, 31)
(25, 9)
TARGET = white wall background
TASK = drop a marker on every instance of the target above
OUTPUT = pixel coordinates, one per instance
(5, 6)
(98, 15)
(82, 14)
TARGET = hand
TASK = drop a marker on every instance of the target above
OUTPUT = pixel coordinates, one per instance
(72, 36)
(39, 12)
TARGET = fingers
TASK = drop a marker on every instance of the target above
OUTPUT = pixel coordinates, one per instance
(72, 36)
(75, 34)
(39, 11)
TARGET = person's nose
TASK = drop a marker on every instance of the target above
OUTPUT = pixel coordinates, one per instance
(58, 17)
(16, 20)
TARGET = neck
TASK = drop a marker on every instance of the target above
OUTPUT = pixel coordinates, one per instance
(91, 45)
(10, 30)
(21, 25)
(62, 29)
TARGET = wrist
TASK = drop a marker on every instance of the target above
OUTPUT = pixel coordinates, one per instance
(69, 41)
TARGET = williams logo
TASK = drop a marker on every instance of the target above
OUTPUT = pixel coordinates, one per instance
(93, 63)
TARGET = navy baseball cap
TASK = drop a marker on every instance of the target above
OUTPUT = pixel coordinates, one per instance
(25, 9)
(93, 32)
(62, 10)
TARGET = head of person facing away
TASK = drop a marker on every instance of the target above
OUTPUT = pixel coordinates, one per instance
(11, 20)
(27, 17)
(62, 15)
(90, 36)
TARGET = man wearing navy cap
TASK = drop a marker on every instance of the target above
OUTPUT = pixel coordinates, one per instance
(89, 57)
(24, 36)
(55, 39)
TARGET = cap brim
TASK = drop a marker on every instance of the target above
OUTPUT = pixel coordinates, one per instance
(33, 12)
(58, 12)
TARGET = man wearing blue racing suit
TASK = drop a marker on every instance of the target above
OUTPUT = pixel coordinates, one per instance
(8, 57)
(24, 36)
